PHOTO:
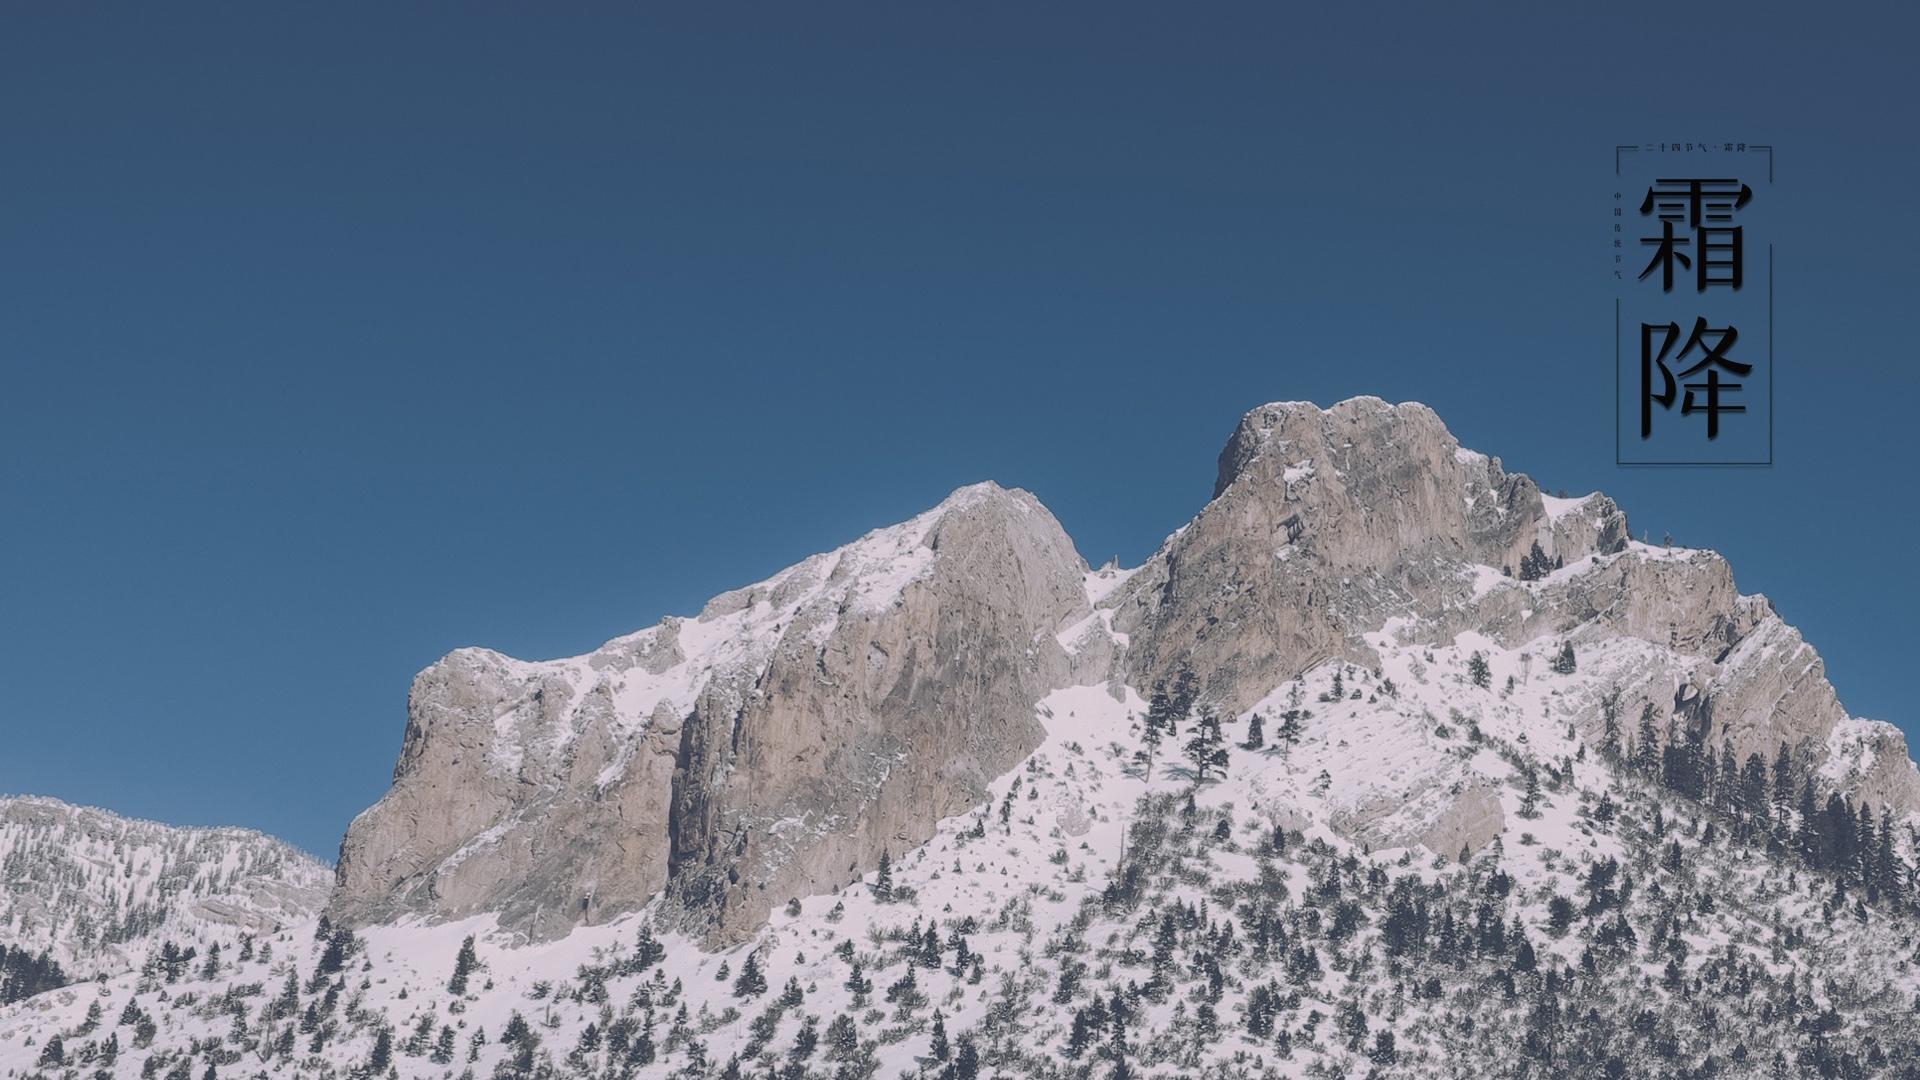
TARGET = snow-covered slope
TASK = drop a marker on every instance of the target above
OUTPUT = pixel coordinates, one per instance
(96, 890)
(1602, 923)
(1495, 791)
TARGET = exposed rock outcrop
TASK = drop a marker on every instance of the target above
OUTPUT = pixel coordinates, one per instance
(1327, 523)
(773, 747)
(1323, 524)
(777, 744)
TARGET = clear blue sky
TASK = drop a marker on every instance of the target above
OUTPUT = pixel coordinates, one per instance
(334, 339)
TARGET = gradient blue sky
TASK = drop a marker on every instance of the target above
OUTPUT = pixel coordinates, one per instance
(331, 340)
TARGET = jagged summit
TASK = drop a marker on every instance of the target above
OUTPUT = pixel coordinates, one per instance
(782, 740)
(1463, 781)
(1269, 427)
(774, 745)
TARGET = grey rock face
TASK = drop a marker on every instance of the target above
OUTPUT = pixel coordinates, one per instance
(777, 744)
(773, 747)
(1323, 524)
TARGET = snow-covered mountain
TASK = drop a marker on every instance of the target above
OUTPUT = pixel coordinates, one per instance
(96, 890)
(1385, 764)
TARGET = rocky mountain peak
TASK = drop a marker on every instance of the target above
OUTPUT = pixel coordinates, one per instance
(774, 745)
(780, 742)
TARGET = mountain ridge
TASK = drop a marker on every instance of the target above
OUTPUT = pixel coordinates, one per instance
(1324, 524)
(93, 887)
(1384, 764)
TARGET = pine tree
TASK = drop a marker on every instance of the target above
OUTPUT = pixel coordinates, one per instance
(1383, 1052)
(1886, 859)
(1207, 748)
(1806, 837)
(843, 1039)
(1535, 564)
(1166, 710)
(1256, 738)
(1079, 1036)
(1153, 728)
(422, 1032)
(1610, 724)
(966, 1062)
(1291, 730)
(1478, 672)
(463, 964)
(382, 1055)
(334, 957)
(883, 880)
(857, 983)
(1530, 800)
(1646, 752)
(1783, 780)
(751, 983)
(647, 950)
(937, 1047)
(1565, 663)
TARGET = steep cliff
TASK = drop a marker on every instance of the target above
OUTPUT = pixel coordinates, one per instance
(774, 746)
(777, 744)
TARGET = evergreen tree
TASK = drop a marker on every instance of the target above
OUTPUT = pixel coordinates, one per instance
(463, 964)
(1783, 780)
(1610, 724)
(1167, 709)
(1256, 738)
(1806, 836)
(1565, 663)
(1383, 1052)
(1079, 1036)
(937, 1047)
(843, 1039)
(966, 1062)
(647, 950)
(334, 957)
(1291, 729)
(805, 1040)
(1478, 672)
(1886, 870)
(1530, 800)
(883, 880)
(929, 948)
(1153, 729)
(752, 982)
(1535, 564)
(1646, 753)
(382, 1055)
(1207, 748)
